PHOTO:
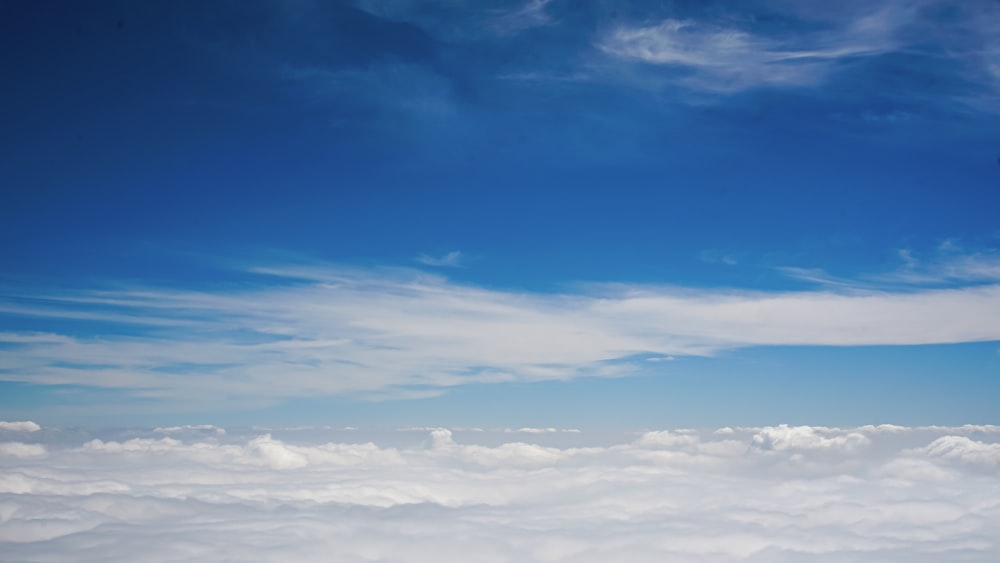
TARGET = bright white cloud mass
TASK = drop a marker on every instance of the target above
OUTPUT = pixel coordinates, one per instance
(774, 494)
(333, 330)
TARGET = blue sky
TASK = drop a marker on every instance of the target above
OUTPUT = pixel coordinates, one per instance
(598, 214)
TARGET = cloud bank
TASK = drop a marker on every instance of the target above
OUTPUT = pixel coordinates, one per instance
(334, 330)
(772, 494)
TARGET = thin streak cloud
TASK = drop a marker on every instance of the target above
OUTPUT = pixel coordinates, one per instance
(452, 259)
(328, 330)
(728, 59)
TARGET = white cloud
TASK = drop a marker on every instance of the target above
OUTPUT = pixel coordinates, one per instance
(965, 449)
(677, 495)
(20, 449)
(786, 437)
(189, 428)
(19, 426)
(386, 333)
(528, 430)
(660, 359)
(720, 58)
(666, 438)
(733, 51)
(908, 471)
(945, 269)
(452, 259)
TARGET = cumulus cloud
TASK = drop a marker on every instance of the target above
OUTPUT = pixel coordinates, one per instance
(19, 426)
(786, 437)
(677, 495)
(400, 333)
(965, 449)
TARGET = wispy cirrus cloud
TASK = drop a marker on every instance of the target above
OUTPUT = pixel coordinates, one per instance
(453, 259)
(334, 330)
(941, 55)
(718, 57)
(949, 266)
(968, 41)
(945, 268)
(531, 14)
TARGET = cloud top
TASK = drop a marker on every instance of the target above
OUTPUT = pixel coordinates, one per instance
(19, 426)
(898, 494)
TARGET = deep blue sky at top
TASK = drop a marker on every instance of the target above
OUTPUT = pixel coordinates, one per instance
(336, 132)
(828, 148)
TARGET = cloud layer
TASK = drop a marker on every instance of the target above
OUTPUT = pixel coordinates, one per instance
(331, 330)
(771, 494)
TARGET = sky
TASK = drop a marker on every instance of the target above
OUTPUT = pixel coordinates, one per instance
(601, 215)
(529, 280)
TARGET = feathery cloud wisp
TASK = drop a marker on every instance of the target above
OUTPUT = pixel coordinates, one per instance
(452, 259)
(726, 59)
(329, 330)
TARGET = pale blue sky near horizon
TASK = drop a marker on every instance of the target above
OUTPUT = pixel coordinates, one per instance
(501, 214)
